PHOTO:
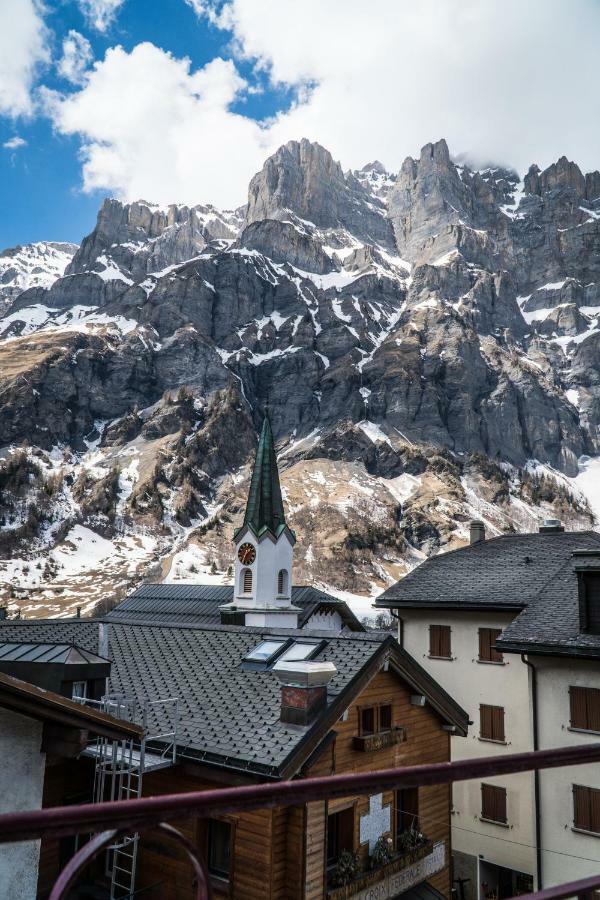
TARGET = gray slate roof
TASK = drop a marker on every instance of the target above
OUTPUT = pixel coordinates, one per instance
(505, 572)
(550, 624)
(198, 604)
(47, 653)
(229, 716)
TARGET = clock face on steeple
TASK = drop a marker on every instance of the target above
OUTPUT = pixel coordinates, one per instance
(247, 554)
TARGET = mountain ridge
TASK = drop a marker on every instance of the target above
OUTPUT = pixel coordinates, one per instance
(427, 343)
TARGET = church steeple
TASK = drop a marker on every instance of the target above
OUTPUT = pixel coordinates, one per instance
(264, 549)
(264, 509)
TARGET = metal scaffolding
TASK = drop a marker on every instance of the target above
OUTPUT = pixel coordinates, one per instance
(120, 766)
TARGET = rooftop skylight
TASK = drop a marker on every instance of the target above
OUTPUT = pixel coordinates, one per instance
(265, 651)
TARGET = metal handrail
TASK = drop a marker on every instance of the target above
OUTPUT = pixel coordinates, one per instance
(150, 812)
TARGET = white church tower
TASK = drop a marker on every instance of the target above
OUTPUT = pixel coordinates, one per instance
(264, 548)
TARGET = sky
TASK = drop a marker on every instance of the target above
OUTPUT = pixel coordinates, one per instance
(182, 100)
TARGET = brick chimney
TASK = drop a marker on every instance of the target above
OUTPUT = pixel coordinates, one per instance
(303, 689)
(476, 531)
(551, 526)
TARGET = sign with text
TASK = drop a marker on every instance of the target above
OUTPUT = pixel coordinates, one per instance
(394, 884)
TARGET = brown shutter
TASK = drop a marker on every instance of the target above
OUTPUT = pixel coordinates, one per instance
(577, 702)
(488, 637)
(500, 798)
(593, 708)
(594, 809)
(484, 643)
(486, 802)
(495, 656)
(493, 803)
(445, 641)
(434, 645)
(485, 721)
(498, 723)
(581, 807)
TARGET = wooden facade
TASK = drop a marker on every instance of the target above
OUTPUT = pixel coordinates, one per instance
(281, 854)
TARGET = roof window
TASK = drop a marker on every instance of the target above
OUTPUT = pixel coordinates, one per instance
(301, 650)
(265, 652)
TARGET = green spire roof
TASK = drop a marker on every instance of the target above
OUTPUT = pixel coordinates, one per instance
(265, 506)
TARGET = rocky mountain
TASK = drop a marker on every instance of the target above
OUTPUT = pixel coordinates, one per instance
(32, 265)
(427, 343)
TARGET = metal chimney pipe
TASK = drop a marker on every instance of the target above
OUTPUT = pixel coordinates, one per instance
(476, 531)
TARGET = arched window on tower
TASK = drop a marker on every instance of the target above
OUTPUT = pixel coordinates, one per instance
(282, 582)
(247, 581)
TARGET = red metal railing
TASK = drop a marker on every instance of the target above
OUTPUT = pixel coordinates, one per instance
(112, 819)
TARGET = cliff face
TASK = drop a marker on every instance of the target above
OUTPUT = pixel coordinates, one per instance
(426, 342)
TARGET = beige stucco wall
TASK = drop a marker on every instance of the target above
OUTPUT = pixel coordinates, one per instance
(567, 855)
(471, 683)
(21, 786)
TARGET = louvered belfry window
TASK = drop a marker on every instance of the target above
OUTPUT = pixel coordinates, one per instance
(491, 722)
(247, 581)
(585, 708)
(439, 641)
(282, 582)
(487, 639)
(586, 808)
(493, 803)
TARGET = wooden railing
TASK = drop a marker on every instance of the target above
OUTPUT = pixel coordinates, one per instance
(109, 820)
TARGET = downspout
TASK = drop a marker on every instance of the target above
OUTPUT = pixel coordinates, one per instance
(400, 635)
(536, 774)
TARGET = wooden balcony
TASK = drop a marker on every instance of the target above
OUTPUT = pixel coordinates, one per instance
(372, 742)
(400, 874)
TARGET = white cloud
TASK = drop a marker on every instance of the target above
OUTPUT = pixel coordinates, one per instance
(22, 49)
(76, 59)
(14, 143)
(153, 128)
(391, 75)
(374, 80)
(100, 13)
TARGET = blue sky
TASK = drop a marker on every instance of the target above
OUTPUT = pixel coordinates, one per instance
(40, 184)
(182, 100)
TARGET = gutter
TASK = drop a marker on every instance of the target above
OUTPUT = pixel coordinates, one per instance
(536, 774)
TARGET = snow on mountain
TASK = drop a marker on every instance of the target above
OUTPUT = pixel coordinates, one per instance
(428, 344)
(32, 265)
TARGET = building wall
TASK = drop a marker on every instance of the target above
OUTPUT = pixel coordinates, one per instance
(471, 683)
(426, 742)
(21, 788)
(567, 854)
(280, 854)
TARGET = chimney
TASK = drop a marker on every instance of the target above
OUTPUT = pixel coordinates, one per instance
(3, 612)
(476, 532)
(551, 526)
(303, 689)
(78, 612)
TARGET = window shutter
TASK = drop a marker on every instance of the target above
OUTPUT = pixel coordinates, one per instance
(581, 807)
(594, 810)
(445, 640)
(500, 804)
(498, 723)
(485, 721)
(493, 803)
(577, 702)
(247, 581)
(593, 708)
(439, 641)
(484, 643)
(487, 803)
(488, 637)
